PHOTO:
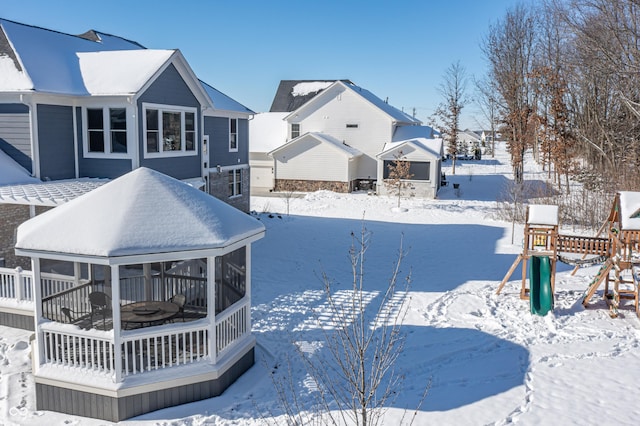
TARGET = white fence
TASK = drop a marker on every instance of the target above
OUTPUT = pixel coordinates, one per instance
(17, 284)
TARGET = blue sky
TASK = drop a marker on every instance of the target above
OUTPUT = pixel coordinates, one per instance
(398, 50)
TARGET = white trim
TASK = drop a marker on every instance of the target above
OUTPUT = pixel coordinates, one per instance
(183, 152)
(236, 133)
(106, 122)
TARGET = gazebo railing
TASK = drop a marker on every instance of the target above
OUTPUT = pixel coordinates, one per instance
(142, 352)
(232, 325)
(74, 349)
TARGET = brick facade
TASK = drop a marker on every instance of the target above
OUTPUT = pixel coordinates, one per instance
(12, 215)
(312, 185)
(219, 188)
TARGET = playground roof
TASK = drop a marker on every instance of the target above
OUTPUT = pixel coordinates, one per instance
(540, 214)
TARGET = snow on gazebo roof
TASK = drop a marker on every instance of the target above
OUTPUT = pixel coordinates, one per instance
(630, 210)
(143, 212)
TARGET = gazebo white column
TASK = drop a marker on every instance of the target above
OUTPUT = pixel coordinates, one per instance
(211, 307)
(115, 308)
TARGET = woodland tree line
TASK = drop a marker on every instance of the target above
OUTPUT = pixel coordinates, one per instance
(563, 83)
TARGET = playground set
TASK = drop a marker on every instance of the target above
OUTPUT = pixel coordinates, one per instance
(616, 246)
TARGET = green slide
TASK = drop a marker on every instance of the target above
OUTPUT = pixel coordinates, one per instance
(540, 294)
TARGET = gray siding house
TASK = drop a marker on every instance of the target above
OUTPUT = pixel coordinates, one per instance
(98, 106)
(81, 111)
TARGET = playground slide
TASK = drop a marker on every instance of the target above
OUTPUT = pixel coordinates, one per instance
(540, 294)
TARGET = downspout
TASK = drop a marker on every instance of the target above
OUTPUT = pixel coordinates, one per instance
(75, 140)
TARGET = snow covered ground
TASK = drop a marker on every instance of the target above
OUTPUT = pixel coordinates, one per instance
(488, 359)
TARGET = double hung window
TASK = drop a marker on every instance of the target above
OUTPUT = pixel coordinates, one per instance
(106, 130)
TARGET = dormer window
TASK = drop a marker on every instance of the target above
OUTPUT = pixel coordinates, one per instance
(295, 130)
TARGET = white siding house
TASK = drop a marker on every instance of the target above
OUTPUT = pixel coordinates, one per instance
(316, 159)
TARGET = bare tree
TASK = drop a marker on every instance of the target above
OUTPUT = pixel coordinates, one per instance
(356, 376)
(486, 100)
(453, 90)
(509, 47)
(399, 175)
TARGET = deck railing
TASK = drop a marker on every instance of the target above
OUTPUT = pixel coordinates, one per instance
(18, 284)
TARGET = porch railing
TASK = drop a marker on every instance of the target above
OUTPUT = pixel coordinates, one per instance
(17, 284)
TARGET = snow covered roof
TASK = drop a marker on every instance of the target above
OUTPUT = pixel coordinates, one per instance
(432, 146)
(43, 60)
(51, 194)
(292, 94)
(268, 131)
(120, 72)
(541, 214)
(323, 138)
(394, 112)
(224, 102)
(402, 133)
(143, 212)
(630, 210)
(12, 173)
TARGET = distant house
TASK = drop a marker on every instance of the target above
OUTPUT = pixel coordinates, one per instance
(332, 135)
(95, 105)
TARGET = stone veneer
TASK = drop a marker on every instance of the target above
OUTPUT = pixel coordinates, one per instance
(12, 215)
(311, 185)
(219, 188)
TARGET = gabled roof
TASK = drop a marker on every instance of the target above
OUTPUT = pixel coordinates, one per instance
(268, 131)
(393, 113)
(408, 132)
(292, 94)
(34, 59)
(432, 147)
(224, 102)
(343, 148)
(123, 218)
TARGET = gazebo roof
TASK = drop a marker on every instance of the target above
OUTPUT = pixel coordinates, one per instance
(141, 213)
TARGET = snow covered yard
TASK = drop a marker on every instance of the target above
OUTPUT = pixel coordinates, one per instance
(488, 359)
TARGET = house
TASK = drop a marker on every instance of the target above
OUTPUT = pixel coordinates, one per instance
(417, 145)
(148, 308)
(334, 134)
(74, 107)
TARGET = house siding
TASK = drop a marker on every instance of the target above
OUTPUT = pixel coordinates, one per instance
(310, 159)
(56, 142)
(219, 188)
(15, 133)
(110, 168)
(374, 127)
(170, 89)
(218, 130)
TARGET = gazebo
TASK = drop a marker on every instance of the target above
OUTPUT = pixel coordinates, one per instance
(157, 312)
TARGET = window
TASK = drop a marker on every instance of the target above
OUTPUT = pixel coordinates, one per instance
(107, 130)
(169, 130)
(233, 134)
(420, 170)
(352, 126)
(231, 279)
(295, 130)
(235, 182)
